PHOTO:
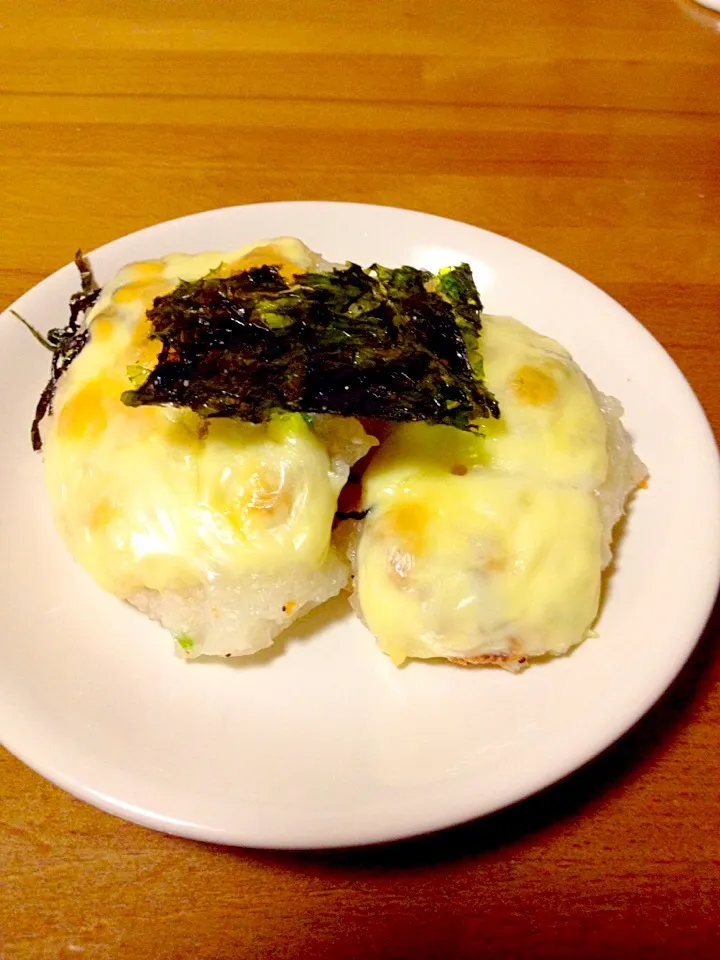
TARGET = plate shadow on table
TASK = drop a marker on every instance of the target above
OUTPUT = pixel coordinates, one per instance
(616, 767)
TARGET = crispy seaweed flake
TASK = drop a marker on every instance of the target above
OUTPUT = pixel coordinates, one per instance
(385, 343)
(66, 343)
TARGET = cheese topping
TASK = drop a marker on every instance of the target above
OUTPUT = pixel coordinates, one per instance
(491, 544)
(156, 497)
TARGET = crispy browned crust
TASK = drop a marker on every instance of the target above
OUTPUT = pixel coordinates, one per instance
(508, 661)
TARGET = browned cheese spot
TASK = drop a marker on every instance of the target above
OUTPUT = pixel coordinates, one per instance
(533, 386)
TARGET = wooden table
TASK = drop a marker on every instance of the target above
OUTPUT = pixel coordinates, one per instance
(590, 131)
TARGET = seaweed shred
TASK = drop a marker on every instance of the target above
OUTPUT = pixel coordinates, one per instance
(66, 343)
(42, 340)
(396, 344)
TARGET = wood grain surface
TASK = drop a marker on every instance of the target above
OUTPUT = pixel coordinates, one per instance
(589, 130)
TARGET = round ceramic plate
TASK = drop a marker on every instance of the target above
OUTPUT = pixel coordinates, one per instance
(322, 742)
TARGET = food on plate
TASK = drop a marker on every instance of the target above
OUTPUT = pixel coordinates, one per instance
(488, 548)
(201, 420)
(218, 528)
(204, 412)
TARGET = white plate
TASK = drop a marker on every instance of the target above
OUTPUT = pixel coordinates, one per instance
(325, 743)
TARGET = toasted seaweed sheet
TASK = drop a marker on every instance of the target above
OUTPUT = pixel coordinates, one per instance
(396, 344)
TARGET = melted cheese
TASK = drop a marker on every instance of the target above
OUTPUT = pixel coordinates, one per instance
(153, 497)
(490, 544)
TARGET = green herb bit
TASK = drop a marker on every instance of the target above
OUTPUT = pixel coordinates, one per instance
(137, 374)
(36, 333)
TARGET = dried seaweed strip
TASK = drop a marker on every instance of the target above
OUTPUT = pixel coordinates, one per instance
(383, 343)
(227, 348)
(66, 342)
